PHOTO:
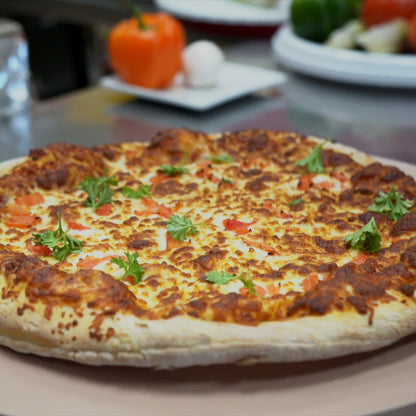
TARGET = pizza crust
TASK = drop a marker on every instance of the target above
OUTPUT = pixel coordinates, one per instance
(184, 341)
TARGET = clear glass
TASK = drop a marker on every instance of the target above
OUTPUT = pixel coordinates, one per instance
(14, 68)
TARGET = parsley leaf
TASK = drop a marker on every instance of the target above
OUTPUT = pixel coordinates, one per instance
(366, 239)
(392, 204)
(180, 227)
(249, 284)
(219, 277)
(98, 190)
(313, 162)
(142, 192)
(221, 159)
(131, 266)
(222, 278)
(58, 241)
(296, 201)
(170, 170)
(227, 181)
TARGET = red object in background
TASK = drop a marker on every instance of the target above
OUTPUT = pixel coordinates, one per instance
(375, 12)
(412, 33)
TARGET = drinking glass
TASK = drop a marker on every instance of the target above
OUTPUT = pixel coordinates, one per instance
(14, 68)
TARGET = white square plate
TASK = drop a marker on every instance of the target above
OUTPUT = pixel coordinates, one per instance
(235, 80)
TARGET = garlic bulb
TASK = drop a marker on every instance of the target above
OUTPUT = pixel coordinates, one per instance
(202, 61)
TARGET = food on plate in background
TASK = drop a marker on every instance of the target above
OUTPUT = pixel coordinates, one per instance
(344, 37)
(375, 12)
(202, 61)
(412, 33)
(146, 50)
(378, 26)
(389, 37)
(316, 19)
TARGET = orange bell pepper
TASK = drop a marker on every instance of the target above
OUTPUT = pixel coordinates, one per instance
(146, 50)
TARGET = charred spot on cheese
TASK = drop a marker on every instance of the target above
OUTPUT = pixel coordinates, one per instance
(405, 225)
(334, 159)
(408, 257)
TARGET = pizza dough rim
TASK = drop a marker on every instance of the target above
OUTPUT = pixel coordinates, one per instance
(185, 341)
(155, 343)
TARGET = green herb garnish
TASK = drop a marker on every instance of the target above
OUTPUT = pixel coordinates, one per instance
(131, 266)
(98, 190)
(142, 192)
(392, 204)
(219, 277)
(229, 181)
(58, 241)
(222, 278)
(170, 170)
(296, 201)
(313, 162)
(180, 227)
(221, 159)
(249, 284)
(366, 239)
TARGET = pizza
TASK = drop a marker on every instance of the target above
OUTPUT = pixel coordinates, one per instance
(195, 249)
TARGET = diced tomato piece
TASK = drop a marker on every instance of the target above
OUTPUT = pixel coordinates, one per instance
(130, 279)
(40, 249)
(325, 185)
(165, 211)
(272, 289)
(284, 215)
(341, 176)
(105, 209)
(144, 212)
(155, 208)
(173, 244)
(77, 226)
(36, 198)
(225, 185)
(306, 181)
(159, 178)
(245, 291)
(22, 221)
(149, 203)
(268, 205)
(360, 258)
(260, 290)
(310, 281)
(17, 210)
(239, 227)
(261, 245)
(90, 262)
(204, 169)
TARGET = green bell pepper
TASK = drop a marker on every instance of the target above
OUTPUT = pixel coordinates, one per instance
(316, 19)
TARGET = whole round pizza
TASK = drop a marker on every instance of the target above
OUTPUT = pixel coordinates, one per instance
(195, 249)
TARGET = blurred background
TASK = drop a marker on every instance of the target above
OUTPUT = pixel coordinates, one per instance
(66, 39)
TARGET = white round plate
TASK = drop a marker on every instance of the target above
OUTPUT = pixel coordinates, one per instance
(357, 67)
(226, 12)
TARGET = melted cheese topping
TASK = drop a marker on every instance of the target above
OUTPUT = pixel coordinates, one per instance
(294, 253)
